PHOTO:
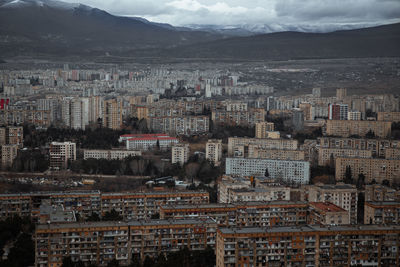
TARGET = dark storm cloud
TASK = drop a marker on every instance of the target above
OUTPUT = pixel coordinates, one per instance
(295, 13)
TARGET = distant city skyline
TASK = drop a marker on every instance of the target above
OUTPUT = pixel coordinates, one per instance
(319, 15)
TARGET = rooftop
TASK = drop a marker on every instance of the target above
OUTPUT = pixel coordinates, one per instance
(327, 207)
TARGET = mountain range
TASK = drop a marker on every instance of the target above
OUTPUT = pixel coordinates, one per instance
(51, 27)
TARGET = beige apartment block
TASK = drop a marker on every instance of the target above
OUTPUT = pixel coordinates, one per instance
(392, 153)
(389, 116)
(327, 156)
(8, 155)
(262, 128)
(240, 146)
(346, 128)
(373, 169)
(180, 154)
(263, 153)
(214, 151)
(342, 195)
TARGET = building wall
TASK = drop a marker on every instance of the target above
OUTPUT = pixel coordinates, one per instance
(294, 171)
(308, 246)
(373, 169)
(345, 128)
(326, 154)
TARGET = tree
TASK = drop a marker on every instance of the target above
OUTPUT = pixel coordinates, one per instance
(148, 262)
(386, 182)
(348, 179)
(266, 174)
(370, 134)
(67, 262)
(360, 181)
(113, 263)
(94, 217)
(112, 215)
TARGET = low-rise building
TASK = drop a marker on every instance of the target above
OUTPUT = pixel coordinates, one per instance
(145, 142)
(325, 213)
(109, 154)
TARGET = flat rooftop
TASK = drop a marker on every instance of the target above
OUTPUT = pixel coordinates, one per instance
(327, 207)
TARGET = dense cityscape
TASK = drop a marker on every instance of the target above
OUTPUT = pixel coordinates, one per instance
(129, 152)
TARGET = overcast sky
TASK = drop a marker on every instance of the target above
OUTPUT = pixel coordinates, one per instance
(271, 12)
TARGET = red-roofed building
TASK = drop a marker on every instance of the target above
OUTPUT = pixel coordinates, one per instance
(326, 213)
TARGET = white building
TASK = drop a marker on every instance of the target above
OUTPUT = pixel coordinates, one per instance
(214, 151)
(180, 153)
(287, 170)
(148, 142)
(110, 154)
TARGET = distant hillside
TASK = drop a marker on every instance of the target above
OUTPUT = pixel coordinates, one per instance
(381, 41)
(55, 27)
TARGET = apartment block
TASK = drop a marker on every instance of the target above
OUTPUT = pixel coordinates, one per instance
(341, 93)
(214, 151)
(286, 170)
(15, 135)
(61, 153)
(371, 245)
(226, 184)
(262, 129)
(180, 154)
(327, 156)
(382, 213)
(101, 242)
(39, 118)
(389, 116)
(130, 206)
(110, 154)
(240, 146)
(257, 213)
(372, 169)
(338, 112)
(341, 195)
(377, 192)
(8, 155)
(354, 115)
(325, 213)
(238, 118)
(345, 128)
(112, 114)
(145, 142)
(377, 146)
(137, 206)
(263, 153)
(180, 125)
(392, 153)
(259, 194)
